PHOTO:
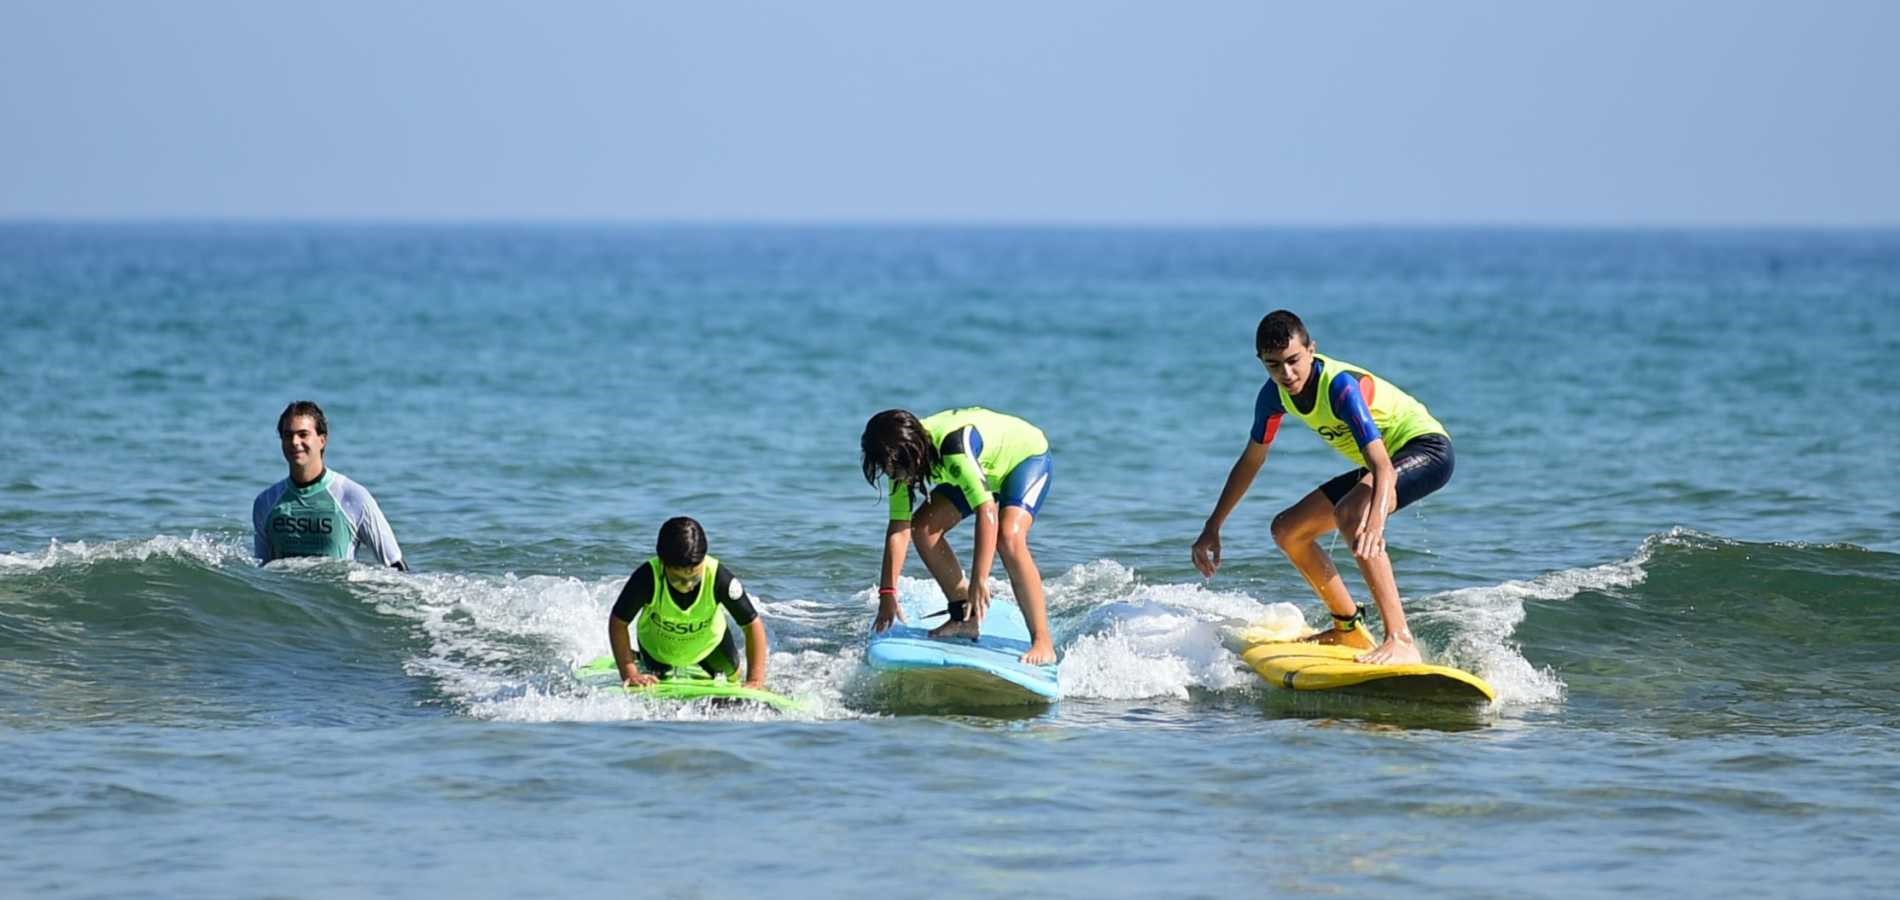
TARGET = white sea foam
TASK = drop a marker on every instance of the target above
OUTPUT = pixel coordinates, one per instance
(1148, 650)
(1138, 640)
(1481, 621)
(506, 647)
(209, 549)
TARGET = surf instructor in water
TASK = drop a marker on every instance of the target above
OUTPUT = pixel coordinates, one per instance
(316, 511)
(1402, 454)
(969, 462)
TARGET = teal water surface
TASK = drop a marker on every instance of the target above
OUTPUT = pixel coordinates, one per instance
(1668, 544)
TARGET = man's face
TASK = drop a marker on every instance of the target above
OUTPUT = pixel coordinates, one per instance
(1290, 365)
(302, 444)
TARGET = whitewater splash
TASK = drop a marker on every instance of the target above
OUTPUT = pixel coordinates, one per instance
(505, 647)
(210, 550)
(1481, 621)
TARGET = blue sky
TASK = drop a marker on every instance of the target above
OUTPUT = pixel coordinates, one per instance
(1595, 113)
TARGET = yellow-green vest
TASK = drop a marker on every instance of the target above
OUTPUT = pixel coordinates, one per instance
(681, 637)
(1398, 417)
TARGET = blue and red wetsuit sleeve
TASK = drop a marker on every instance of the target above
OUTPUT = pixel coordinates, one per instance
(1351, 396)
(1267, 413)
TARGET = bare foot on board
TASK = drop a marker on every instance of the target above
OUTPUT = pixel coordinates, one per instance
(1041, 653)
(1393, 652)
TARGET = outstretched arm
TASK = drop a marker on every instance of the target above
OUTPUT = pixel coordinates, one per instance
(1370, 541)
(896, 547)
(982, 558)
(373, 531)
(617, 636)
(260, 511)
(1349, 401)
(756, 653)
(1239, 479)
(1368, 544)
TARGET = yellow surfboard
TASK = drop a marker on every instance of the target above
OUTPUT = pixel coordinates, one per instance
(1321, 667)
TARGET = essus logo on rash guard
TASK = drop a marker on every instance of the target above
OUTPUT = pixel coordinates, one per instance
(302, 525)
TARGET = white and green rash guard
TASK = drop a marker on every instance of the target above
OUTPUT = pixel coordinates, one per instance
(331, 516)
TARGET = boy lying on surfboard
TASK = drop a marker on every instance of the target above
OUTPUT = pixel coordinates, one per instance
(679, 600)
(1402, 454)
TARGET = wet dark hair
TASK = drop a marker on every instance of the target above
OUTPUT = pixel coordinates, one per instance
(895, 441)
(304, 408)
(1278, 330)
(682, 542)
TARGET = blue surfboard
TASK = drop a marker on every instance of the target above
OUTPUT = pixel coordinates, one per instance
(987, 670)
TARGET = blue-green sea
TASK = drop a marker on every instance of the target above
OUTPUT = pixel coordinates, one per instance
(1670, 544)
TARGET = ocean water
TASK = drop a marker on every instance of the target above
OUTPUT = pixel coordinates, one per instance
(1670, 544)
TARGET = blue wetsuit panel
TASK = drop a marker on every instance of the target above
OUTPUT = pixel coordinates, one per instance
(1350, 406)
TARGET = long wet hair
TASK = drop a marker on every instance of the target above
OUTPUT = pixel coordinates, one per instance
(682, 542)
(895, 441)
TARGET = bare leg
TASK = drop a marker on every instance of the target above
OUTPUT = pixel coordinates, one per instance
(929, 530)
(1026, 580)
(1398, 646)
(1297, 530)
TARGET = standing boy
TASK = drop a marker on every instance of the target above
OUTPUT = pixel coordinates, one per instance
(1402, 454)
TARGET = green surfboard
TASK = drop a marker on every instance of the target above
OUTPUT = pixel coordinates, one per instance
(604, 674)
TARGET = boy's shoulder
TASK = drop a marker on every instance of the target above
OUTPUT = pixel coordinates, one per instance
(1268, 400)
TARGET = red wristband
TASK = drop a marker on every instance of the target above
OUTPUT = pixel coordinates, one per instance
(886, 592)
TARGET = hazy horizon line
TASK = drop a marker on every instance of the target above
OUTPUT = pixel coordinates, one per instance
(1051, 224)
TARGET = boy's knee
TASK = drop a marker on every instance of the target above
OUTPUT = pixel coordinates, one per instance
(1284, 532)
(1013, 545)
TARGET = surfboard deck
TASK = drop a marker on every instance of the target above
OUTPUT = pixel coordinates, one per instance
(601, 672)
(1302, 666)
(989, 669)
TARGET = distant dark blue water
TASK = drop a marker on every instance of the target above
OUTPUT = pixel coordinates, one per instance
(1670, 544)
